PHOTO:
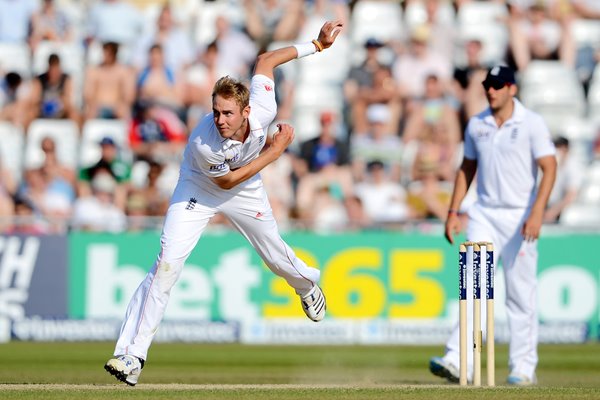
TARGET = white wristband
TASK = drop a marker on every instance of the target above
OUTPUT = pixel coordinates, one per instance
(305, 49)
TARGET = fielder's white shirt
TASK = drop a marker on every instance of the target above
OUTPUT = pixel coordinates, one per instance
(208, 155)
(506, 156)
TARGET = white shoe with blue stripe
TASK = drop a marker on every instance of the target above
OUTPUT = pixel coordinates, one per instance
(314, 304)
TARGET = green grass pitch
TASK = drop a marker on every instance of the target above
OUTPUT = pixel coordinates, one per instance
(203, 371)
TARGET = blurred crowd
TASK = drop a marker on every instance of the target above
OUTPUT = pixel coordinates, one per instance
(97, 99)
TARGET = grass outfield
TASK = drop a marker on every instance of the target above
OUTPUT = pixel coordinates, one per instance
(197, 371)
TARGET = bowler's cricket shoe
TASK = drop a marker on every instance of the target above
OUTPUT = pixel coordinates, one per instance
(125, 368)
(442, 368)
(314, 304)
(517, 379)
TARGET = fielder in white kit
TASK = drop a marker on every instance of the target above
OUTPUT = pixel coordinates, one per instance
(219, 174)
(506, 145)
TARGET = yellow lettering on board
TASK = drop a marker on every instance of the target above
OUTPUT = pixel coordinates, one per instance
(350, 291)
(427, 294)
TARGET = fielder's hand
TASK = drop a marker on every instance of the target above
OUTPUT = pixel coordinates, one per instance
(452, 227)
(329, 32)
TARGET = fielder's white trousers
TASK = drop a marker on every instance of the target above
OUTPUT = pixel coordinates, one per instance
(191, 208)
(519, 260)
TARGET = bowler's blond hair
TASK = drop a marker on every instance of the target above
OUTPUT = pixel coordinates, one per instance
(230, 88)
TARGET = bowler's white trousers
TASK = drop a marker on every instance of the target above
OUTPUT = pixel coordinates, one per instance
(192, 206)
(519, 260)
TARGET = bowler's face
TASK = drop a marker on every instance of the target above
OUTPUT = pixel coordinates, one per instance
(228, 116)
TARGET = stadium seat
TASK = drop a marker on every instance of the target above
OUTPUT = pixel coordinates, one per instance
(415, 14)
(65, 134)
(15, 57)
(381, 20)
(309, 102)
(553, 90)
(581, 216)
(493, 37)
(586, 32)
(481, 13)
(11, 148)
(95, 130)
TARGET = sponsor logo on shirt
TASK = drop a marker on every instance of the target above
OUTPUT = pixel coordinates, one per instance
(261, 139)
(481, 134)
(233, 159)
(217, 167)
(268, 88)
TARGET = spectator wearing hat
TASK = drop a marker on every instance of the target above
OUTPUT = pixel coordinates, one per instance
(411, 69)
(568, 181)
(369, 83)
(109, 163)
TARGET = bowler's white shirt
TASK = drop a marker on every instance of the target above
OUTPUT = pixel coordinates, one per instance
(506, 156)
(208, 155)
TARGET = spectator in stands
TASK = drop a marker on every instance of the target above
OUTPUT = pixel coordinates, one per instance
(371, 83)
(326, 149)
(322, 163)
(114, 21)
(14, 20)
(25, 221)
(97, 212)
(109, 88)
(433, 171)
(159, 85)
(155, 134)
(443, 32)
(58, 188)
(273, 20)
(110, 163)
(199, 81)
(376, 144)
(52, 94)
(362, 75)
(467, 88)
(537, 37)
(49, 23)
(411, 69)
(14, 99)
(568, 181)
(236, 50)
(383, 199)
(435, 108)
(52, 166)
(586, 8)
(176, 44)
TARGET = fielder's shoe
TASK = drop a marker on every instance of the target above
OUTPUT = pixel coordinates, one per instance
(314, 304)
(517, 379)
(442, 368)
(125, 368)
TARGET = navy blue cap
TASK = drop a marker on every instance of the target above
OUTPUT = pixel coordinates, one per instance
(500, 74)
(372, 42)
(107, 141)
